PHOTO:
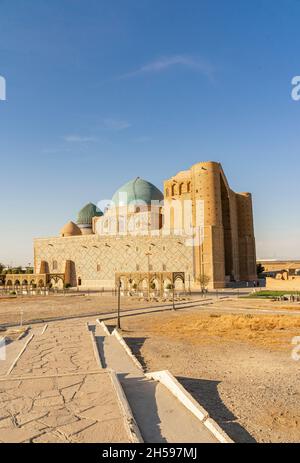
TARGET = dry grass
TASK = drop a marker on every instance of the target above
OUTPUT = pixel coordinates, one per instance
(13, 334)
(265, 330)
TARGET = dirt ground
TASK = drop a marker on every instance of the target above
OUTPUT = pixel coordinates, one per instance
(234, 355)
(46, 307)
(239, 367)
(13, 334)
(31, 308)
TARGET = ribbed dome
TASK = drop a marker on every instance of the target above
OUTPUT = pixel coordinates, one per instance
(137, 191)
(85, 216)
(70, 229)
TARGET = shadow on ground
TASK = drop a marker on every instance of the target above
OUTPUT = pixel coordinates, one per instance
(141, 395)
(136, 345)
(206, 393)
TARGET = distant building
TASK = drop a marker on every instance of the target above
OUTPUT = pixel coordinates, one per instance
(281, 275)
(273, 266)
(198, 226)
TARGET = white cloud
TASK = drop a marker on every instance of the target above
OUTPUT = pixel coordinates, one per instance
(115, 124)
(57, 150)
(164, 63)
(109, 124)
(2, 88)
(142, 139)
(78, 139)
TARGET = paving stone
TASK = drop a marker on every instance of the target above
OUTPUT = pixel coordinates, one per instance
(3, 414)
(50, 438)
(69, 393)
(52, 393)
(68, 381)
(59, 418)
(18, 435)
(31, 416)
(76, 427)
(5, 423)
(49, 402)
(19, 405)
(109, 432)
(48, 409)
(102, 412)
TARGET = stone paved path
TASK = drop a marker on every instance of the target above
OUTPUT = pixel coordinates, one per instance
(159, 415)
(57, 393)
(65, 347)
(11, 352)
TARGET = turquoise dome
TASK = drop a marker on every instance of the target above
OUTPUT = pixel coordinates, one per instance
(138, 191)
(85, 216)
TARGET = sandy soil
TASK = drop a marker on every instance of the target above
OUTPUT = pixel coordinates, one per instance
(47, 307)
(239, 367)
(44, 308)
(234, 356)
(12, 334)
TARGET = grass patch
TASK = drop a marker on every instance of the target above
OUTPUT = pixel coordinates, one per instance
(271, 294)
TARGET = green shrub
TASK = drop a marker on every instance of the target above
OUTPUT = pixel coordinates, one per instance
(270, 294)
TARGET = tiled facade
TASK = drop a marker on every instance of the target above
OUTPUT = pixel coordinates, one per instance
(97, 258)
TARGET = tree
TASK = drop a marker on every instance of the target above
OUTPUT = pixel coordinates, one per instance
(203, 281)
(17, 270)
(2, 267)
(260, 269)
(13, 270)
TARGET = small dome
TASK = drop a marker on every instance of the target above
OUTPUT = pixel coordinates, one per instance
(137, 191)
(85, 216)
(70, 229)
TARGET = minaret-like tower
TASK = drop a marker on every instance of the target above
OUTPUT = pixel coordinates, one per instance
(224, 247)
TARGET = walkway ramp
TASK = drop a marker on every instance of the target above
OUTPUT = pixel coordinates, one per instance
(52, 390)
(161, 417)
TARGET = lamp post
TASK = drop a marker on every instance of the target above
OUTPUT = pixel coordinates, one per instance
(173, 293)
(173, 296)
(119, 304)
(148, 254)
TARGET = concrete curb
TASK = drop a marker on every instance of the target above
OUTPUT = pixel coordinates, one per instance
(217, 431)
(167, 379)
(22, 335)
(123, 343)
(103, 326)
(44, 329)
(95, 347)
(131, 425)
(19, 355)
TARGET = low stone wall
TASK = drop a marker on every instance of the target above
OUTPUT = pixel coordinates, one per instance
(292, 284)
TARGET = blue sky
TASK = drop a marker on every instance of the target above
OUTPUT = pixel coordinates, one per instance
(99, 92)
